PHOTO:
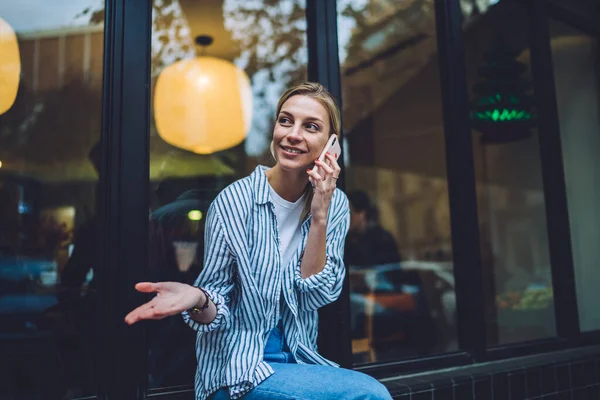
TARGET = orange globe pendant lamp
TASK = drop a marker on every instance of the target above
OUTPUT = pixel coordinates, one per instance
(10, 66)
(203, 105)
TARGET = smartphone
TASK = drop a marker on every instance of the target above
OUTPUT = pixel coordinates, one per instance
(332, 147)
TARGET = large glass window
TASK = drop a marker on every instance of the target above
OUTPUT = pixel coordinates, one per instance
(241, 55)
(398, 251)
(511, 208)
(575, 60)
(50, 121)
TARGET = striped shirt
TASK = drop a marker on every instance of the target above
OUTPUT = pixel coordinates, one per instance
(245, 279)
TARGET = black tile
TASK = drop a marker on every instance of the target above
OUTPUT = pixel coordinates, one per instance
(463, 379)
(564, 395)
(580, 394)
(500, 386)
(441, 383)
(443, 393)
(482, 388)
(402, 397)
(517, 383)
(397, 388)
(593, 392)
(534, 382)
(577, 375)
(548, 379)
(589, 373)
(418, 384)
(553, 396)
(563, 379)
(426, 395)
(463, 391)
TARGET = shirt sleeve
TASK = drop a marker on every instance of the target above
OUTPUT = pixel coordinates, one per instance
(325, 287)
(216, 277)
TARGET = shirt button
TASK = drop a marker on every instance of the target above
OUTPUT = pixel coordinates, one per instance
(290, 291)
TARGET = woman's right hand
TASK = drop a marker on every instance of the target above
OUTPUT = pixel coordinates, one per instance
(171, 298)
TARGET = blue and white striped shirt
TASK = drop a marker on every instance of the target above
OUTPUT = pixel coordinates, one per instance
(245, 279)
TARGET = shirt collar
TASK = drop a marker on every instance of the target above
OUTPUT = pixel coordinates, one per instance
(260, 184)
(262, 191)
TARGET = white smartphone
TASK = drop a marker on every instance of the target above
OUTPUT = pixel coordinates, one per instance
(332, 147)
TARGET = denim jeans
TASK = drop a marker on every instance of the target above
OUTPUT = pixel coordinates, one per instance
(293, 381)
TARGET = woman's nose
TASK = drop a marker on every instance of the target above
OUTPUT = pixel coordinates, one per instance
(295, 133)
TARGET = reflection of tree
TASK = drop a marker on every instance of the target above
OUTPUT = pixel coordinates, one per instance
(472, 8)
(391, 42)
(379, 25)
(171, 38)
(271, 35)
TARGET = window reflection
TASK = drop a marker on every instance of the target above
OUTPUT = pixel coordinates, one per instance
(265, 40)
(511, 207)
(575, 62)
(48, 178)
(399, 248)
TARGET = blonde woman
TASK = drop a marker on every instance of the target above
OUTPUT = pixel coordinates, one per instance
(274, 255)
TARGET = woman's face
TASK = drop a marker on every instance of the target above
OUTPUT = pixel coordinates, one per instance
(300, 133)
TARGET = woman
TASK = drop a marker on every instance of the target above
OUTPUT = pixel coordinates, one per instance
(274, 254)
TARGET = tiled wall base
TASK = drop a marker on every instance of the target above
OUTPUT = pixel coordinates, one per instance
(564, 375)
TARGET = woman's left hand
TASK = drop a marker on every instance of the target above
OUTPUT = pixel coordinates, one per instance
(324, 182)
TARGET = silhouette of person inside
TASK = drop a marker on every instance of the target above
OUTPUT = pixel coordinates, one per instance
(74, 317)
(177, 247)
(367, 243)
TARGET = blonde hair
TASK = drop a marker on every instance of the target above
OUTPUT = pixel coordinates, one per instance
(322, 95)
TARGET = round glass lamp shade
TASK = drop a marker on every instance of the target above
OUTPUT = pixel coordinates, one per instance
(10, 66)
(203, 105)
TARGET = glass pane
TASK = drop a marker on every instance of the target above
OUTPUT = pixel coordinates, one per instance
(512, 216)
(188, 171)
(575, 61)
(48, 181)
(589, 9)
(399, 249)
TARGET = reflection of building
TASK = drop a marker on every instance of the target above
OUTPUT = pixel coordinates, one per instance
(495, 263)
(51, 58)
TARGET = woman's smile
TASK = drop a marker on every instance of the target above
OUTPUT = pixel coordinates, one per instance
(292, 151)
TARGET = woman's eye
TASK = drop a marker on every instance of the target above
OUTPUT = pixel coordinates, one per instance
(312, 127)
(284, 120)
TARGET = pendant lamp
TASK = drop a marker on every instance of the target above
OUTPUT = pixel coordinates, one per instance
(10, 66)
(204, 104)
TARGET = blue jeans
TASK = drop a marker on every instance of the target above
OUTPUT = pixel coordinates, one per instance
(293, 381)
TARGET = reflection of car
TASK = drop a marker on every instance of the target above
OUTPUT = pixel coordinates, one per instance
(408, 305)
(23, 274)
(20, 303)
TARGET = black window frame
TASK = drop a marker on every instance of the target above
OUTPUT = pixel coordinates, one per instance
(123, 205)
(122, 367)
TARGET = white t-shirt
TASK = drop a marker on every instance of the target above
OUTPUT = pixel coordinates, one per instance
(288, 223)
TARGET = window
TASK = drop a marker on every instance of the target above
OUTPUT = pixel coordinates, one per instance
(261, 47)
(398, 251)
(48, 180)
(511, 207)
(575, 62)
